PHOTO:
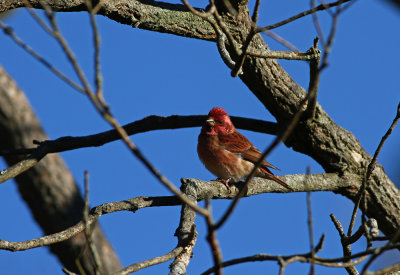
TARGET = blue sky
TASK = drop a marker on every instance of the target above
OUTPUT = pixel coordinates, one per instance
(149, 73)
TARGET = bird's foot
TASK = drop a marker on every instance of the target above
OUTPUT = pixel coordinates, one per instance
(225, 182)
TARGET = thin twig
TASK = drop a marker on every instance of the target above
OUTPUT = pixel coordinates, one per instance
(346, 245)
(23, 165)
(212, 16)
(213, 241)
(133, 205)
(327, 46)
(310, 223)
(224, 29)
(305, 258)
(56, 33)
(104, 111)
(228, 5)
(281, 40)
(9, 31)
(238, 65)
(89, 229)
(314, 81)
(253, 30)
(318, 25)
(38, 19)
(356, 236)
(96, 42)
(157, 260)
(302, 14)
(221, 38)
(98, 6)
(370, 168)
(254, 17)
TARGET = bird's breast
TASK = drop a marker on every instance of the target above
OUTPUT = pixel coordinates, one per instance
(219, 161)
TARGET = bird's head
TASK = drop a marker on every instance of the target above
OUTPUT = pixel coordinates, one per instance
(218, 122)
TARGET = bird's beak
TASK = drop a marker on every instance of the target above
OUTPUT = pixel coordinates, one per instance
(210, 122)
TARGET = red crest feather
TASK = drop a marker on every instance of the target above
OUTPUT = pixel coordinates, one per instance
(217, 112)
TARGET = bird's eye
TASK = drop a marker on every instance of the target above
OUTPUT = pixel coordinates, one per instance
(219, 122)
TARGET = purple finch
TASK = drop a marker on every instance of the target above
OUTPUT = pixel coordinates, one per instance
(227, 153)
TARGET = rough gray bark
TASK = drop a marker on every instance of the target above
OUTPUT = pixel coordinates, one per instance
(196, 190)
(146, 15)
(336, 149)
(48, 188)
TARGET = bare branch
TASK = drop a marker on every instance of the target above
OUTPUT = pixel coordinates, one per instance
(181, 261)
(202, 191)
(253, 30)
(48, 188)
(102, 108)
(9, 31)
(186, 231)
(386, 271)
(146, 124)
(328, 44)
(304, 258)
(176, 18)
(213, 241)
(223, 51)
(281, 40)
(310, 224)
(317, 25)
(371, 167)
(56, 34)
(96, 42)
(127, 205)
(302, 14)
(314, 81)
(346, 245)
(157, 260)
(294, 55)
(89, 229)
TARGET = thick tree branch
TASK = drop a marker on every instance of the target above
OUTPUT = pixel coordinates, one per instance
(336, 149)
(186, 231)
(48, 188)
(146, 124)
(201, 190)
(145, 14)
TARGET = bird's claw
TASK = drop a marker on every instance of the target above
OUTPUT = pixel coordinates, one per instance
(225, 182)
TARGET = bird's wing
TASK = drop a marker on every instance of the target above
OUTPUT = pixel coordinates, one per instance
(239, 144)
(253, 155)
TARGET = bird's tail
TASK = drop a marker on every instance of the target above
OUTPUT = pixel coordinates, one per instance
(269, 175)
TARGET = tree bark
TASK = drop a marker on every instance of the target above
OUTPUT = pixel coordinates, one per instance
(48, 188)
(335, 148)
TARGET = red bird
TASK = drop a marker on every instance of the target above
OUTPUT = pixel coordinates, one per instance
(227, 153)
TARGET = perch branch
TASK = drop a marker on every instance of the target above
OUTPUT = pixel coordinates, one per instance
(205, 190)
